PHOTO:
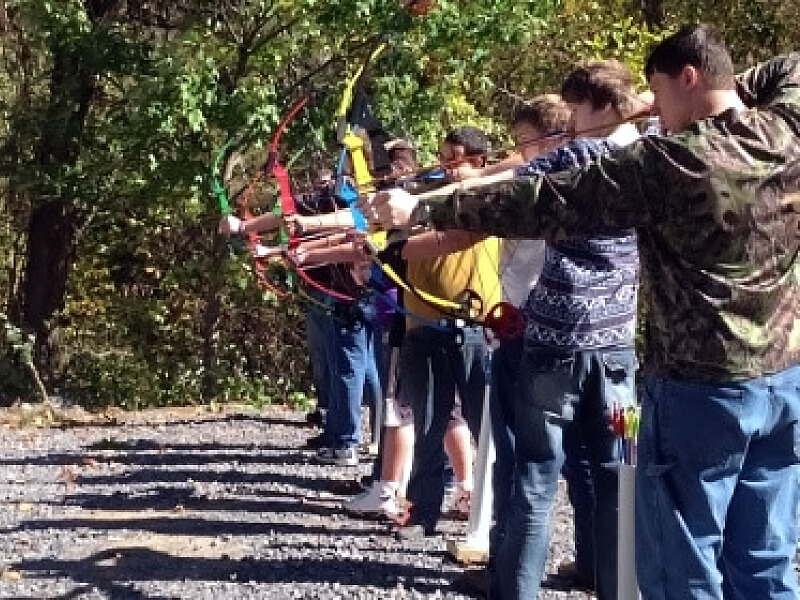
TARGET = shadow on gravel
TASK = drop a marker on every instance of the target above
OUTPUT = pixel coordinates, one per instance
(117, 591)
(115, 568)
(557, 583)
(193, 420)
(314, 483)
(212, 447)
(189, 526)
(269, 420)
(167, 499)
(167, 455)
(286, 455)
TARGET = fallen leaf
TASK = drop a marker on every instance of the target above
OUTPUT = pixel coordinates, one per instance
(10, 574)
(67, 475)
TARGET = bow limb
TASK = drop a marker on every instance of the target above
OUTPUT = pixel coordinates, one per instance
(279, 172)
(345, 105)
(352, 146)
(228, 208)
(352, 109)
(218, 187)
(286, 205)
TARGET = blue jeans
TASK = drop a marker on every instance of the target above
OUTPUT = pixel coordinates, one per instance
(354, 374)
(717, 489)
(319, 332)
(505, 375)
(561, 390)
(436, 372)
(577, 472)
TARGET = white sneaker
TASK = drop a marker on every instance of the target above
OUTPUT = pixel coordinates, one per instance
(377, 500)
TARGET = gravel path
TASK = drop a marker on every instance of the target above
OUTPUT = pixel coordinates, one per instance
(189, 504)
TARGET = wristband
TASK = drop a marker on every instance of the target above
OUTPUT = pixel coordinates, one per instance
(421, 215)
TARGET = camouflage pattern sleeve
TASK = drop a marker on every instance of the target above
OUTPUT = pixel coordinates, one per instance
(774, 84)
(578, 202)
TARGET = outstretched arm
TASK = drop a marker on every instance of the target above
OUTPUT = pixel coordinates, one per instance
(231, 225)
(612, 192)
(344, 249)
(340, 219)
(496, 177)
(341, 252)
(431, 244)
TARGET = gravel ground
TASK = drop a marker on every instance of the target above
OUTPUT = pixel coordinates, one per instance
(189, 504)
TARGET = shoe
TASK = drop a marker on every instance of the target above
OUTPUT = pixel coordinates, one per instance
(378, 500)
(472, 582)
(569, 570)
(413, 532)
(316, 417)
(458, 503)
(341, 457)
(314, 442)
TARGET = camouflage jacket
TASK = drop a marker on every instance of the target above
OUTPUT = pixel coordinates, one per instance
(717, 211)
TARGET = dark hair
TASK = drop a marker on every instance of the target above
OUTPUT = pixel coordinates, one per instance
(548, 113)
(601, 83)
(473, 140)
(699, 46)
(404, 160)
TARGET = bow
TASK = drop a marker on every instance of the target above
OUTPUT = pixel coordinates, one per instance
(354, 118)
(287, 206)
(243, 211)
(284, 206)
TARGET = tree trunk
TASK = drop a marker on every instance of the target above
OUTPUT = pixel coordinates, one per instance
(52, 224)
(50, 243)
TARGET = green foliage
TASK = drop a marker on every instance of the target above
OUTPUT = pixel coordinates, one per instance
(16, 354)
(753, 29)
(118, 379)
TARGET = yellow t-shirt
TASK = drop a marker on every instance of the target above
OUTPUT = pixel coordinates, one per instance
(475, 268)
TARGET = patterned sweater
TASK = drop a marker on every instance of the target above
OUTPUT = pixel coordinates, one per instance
(586, 295)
